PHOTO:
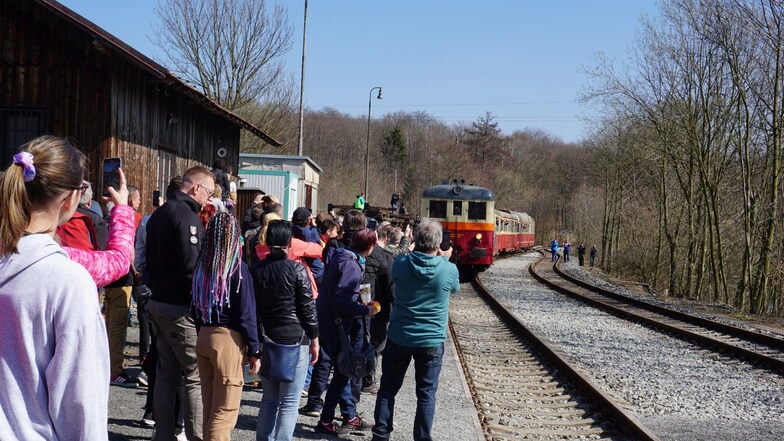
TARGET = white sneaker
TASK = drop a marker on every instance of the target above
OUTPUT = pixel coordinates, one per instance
(181, 436)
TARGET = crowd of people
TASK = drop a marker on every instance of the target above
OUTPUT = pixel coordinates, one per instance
(566, 248)
(292, 300)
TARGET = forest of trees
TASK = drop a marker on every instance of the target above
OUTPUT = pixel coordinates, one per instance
(691, 153)
(679, 182)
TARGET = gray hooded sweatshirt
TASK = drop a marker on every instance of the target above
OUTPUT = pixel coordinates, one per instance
(54, 355)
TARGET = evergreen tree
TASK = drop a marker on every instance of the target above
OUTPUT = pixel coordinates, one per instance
(394, 148)
(484, 138)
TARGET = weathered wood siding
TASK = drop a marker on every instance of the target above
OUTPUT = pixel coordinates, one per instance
(44, 64)
(107, 104)
(150, 121)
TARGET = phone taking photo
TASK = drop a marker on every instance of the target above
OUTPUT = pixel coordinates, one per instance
(446, 241)
(111, 174)
(156, 198)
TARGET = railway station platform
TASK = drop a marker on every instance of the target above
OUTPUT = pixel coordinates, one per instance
(455, 418)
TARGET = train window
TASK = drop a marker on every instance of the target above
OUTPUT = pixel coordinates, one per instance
(477, 210)
(457, 208)
(438, 209)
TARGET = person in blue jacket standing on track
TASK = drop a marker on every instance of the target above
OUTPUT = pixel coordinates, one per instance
(554, 250)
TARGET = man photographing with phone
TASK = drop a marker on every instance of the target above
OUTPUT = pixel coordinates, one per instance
(424, 280)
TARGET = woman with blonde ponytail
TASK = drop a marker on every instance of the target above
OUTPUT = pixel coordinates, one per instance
(53, 346)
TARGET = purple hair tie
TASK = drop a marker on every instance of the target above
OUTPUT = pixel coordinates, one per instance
(25, 159)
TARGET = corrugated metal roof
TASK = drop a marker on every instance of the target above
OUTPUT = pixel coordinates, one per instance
(156, 70)
(282, 158)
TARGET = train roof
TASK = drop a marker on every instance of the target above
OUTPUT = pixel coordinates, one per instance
(452, 191)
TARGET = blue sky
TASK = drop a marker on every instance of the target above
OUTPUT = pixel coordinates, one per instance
(518, 59)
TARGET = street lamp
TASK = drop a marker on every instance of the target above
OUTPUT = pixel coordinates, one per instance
(367, 146)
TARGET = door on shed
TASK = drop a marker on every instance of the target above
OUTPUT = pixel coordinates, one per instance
(309, 197)
(167, 169)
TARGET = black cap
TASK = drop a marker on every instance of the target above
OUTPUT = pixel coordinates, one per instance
(300, 216)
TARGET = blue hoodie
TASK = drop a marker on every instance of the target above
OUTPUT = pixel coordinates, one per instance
(54, 356)
(423, 283)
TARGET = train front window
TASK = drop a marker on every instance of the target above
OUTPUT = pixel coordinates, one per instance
(457, 208)
(438, 209)
(477, 210)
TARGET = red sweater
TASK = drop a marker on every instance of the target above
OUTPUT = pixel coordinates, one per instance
(78, 232)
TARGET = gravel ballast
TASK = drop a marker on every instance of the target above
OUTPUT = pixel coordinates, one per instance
(679, 390)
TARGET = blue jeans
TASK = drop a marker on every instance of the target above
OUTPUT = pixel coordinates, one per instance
(279, 403)
(319, 381)
(427, 368)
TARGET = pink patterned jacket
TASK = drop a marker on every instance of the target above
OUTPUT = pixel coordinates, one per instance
(109, 265)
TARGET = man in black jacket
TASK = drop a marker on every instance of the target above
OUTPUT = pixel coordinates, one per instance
(378, 273)
(174, 235)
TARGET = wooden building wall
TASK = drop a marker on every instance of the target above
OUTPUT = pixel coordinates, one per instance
(106, 103)
(161, 132)
(44, 65)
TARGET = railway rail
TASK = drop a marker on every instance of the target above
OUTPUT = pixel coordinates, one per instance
(758, 347)
(522, 388)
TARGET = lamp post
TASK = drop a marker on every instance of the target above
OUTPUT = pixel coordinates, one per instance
(367, 145)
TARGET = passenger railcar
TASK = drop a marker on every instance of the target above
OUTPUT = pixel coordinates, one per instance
(477, 229)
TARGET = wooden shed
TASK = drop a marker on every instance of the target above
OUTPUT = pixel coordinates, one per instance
(62, 74)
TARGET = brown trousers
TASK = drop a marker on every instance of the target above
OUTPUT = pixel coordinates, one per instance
(220, 357)
(118, 303)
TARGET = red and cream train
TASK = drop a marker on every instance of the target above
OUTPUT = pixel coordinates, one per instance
(478, 230)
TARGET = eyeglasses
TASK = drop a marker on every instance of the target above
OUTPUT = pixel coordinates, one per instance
(82, 188)
(210, 193)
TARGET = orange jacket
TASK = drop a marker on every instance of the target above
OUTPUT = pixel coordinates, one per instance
(298, 251)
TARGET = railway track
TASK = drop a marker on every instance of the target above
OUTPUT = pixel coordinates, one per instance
(522, 389)
(758, 347)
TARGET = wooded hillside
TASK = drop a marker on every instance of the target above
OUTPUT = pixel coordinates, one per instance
(679, 185)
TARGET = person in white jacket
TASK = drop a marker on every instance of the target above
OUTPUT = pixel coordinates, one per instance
(54, 356)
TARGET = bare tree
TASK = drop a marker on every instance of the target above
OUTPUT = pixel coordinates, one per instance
(230, 49)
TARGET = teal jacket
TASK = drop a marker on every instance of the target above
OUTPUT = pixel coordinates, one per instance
(423, 284)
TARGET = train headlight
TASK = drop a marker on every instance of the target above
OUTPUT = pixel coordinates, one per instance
(478, 236)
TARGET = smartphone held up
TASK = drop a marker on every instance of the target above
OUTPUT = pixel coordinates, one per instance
(111, 174)
(446, 241)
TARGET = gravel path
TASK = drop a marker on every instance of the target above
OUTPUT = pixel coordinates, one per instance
(455, 414)
(680, 391)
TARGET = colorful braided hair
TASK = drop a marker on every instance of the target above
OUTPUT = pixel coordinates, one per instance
(218, 260)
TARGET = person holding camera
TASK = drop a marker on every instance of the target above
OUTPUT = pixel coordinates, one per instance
(424, 279)
(55, 356)
(341, 309)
